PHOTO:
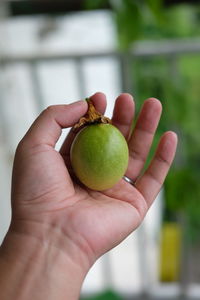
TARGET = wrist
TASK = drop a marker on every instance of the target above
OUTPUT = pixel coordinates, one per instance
(43, 264)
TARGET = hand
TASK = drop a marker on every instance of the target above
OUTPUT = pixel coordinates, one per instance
(44, 193)
(49, 206)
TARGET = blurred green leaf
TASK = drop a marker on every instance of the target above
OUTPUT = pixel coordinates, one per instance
(95, 4)
(182, 189)
(129, 22)
(155, 6)
(106, 295)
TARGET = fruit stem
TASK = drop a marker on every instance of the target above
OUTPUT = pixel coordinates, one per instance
(92, 116)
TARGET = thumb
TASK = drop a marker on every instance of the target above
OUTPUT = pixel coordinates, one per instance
(48, 126)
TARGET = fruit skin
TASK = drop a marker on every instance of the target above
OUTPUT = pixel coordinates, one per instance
(99, 156)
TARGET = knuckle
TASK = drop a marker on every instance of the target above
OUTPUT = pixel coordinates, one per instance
(137, 155)
(48, 112)
(50, 109)
(161, 159)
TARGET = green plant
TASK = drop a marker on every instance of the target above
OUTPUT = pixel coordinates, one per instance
(130, 17)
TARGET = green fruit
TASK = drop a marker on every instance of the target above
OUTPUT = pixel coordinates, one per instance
(99, 156)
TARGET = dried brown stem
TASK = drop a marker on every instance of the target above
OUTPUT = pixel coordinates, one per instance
(92, 116)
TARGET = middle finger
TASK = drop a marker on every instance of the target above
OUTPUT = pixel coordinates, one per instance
(142, 136)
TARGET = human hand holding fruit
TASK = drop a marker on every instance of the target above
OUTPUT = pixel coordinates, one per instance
(44, 192)
(50, 206)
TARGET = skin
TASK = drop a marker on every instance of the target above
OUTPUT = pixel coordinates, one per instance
(59, 228)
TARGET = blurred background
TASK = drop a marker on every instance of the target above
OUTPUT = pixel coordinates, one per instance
(61, 51)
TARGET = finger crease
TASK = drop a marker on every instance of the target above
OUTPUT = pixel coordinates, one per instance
(152, 175)
(124, 123)
(134, 154)
(161, 159)
(150, 132)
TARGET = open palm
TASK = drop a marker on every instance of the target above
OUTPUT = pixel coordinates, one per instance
(44, 193)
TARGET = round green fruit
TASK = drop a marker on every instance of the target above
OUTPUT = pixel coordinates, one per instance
(99, 156)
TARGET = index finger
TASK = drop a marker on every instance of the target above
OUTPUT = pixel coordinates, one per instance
(47, 128)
